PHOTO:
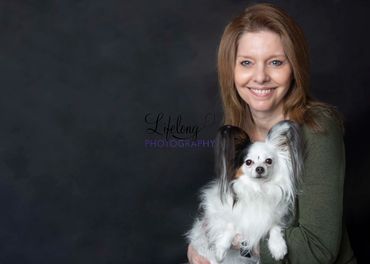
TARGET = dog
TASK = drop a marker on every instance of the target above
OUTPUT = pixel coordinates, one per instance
(253, 195)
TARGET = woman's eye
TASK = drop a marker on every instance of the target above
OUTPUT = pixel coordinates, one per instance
(276, 62)
(246, 63)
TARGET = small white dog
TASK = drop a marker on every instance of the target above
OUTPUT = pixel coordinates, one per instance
(253, 196)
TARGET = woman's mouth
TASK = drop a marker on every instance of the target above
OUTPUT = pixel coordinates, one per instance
(261, 92)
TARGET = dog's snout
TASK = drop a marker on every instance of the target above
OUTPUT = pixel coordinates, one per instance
(260, 170)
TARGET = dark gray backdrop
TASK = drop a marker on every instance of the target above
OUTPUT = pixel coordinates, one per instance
(78, 184)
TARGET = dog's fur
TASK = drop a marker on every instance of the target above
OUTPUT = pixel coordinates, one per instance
(253, 195)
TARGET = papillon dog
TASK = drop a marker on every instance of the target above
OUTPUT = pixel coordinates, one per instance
(253, 196)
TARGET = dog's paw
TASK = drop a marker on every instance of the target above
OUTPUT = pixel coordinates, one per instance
(220, 254)
(277, 247)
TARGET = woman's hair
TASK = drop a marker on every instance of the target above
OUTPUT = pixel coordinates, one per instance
(298, 104)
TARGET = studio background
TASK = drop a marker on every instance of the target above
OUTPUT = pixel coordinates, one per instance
(82, 84)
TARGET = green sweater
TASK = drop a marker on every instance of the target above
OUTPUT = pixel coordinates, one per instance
(317, 234)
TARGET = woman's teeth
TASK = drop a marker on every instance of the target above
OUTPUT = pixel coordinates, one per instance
(262, 91)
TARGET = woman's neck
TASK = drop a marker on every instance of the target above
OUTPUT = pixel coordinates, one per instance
(263, 123)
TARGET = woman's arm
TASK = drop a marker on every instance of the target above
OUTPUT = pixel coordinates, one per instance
(316, 236)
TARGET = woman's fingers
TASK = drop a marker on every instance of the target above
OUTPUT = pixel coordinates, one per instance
(236, 241)
(195, 258)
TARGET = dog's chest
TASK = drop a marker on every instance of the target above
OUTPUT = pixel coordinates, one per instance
(255, 217)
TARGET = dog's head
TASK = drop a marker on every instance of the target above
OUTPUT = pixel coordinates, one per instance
(259, 161)
(237, 156)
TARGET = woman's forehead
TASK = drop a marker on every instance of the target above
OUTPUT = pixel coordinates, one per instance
(260, 43)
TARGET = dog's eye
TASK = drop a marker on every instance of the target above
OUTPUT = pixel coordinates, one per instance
(268, 161)
(248, 162)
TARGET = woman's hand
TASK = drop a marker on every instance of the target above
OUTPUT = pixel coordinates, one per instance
(195, 258)
(235, 244)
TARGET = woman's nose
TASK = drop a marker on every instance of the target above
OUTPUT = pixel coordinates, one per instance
(260, 74)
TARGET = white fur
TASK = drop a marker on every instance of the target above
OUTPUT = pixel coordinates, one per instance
(261, 205)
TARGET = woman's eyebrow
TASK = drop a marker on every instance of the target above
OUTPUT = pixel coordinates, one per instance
(269, 57)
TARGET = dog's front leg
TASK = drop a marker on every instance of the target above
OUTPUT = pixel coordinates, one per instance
(224, 241)
(276, 243)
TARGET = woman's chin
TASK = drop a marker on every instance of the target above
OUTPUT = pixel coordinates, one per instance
(261, 107)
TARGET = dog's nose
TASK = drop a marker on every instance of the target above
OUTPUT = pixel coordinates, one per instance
(260, 170)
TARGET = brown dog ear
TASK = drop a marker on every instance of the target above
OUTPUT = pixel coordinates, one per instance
(230, 142)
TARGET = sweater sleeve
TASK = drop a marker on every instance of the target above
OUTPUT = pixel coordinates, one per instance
(316, 235)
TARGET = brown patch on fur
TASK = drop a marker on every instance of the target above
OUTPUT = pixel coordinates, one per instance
(239, 173)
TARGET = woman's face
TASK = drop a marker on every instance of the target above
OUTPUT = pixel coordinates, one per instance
(262, 72)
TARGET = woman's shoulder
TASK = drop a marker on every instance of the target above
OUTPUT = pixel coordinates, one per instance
(324, 121)
(326, 136)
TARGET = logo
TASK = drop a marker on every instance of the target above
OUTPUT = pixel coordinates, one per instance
(167, 131)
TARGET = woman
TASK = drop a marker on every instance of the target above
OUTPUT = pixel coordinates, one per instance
(263, 68)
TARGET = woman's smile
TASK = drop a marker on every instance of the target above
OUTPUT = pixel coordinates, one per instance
(262, 93)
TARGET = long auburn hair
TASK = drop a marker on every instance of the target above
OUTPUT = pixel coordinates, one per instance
(298, 104)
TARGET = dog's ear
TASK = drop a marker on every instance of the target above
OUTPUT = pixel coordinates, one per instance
(287, 137)
(230, 142)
